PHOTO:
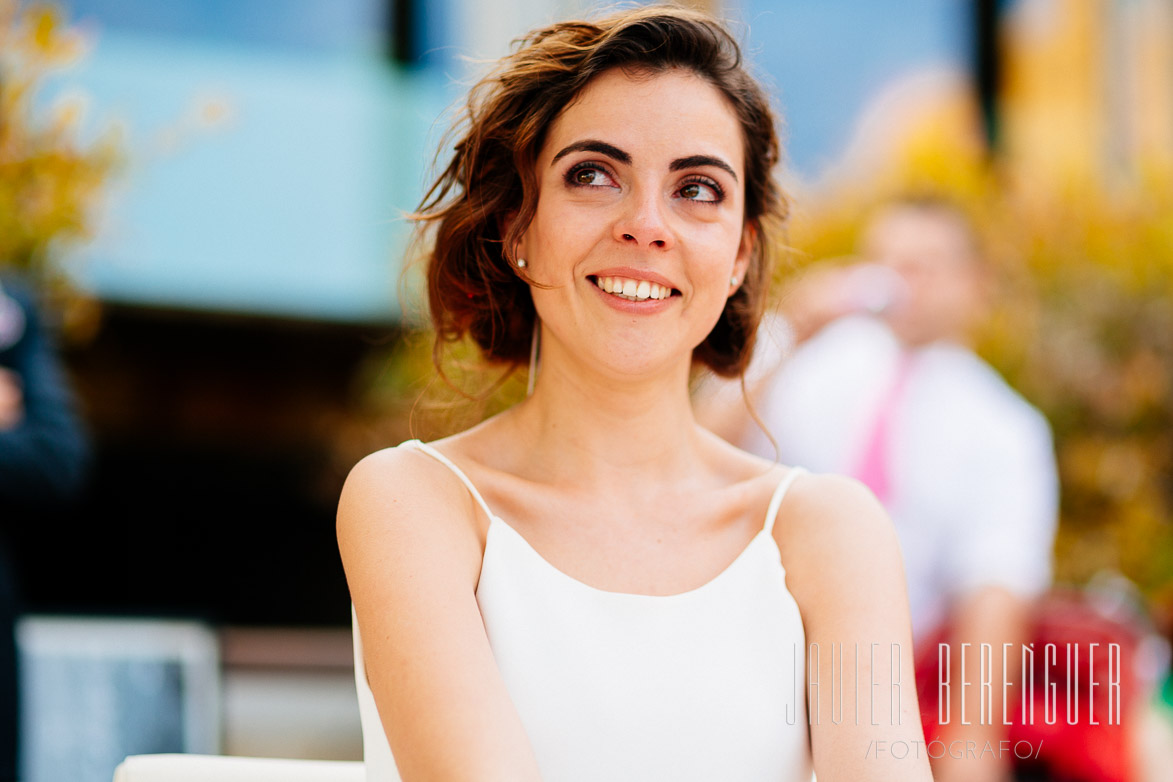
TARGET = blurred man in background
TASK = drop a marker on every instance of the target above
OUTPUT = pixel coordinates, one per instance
(43, 455)
(880, 383)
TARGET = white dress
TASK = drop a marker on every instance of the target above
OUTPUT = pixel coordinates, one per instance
(703, 685)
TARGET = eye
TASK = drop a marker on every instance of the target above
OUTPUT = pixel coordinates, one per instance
(703, 190)
(589, 174)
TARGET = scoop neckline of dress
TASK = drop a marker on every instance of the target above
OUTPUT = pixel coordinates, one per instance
(494, 519)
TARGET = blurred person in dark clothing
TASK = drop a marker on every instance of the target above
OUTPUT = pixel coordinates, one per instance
(43, 458)
(43, 447)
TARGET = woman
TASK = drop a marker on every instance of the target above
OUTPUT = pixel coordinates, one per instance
(589, 586)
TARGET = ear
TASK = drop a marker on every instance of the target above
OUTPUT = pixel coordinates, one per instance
(504, 223)
(749, 238)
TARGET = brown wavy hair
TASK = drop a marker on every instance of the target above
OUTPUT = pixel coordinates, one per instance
(473, 289)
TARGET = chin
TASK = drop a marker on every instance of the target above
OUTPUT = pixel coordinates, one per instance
(632, 365)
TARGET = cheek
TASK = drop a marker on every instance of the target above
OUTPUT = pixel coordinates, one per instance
(715, 245)
(557, 234)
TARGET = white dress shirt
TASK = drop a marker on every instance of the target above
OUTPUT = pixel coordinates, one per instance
(974, 490)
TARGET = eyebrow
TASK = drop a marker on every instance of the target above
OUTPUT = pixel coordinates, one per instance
(696, 161)
(593, 145)
(615, 153)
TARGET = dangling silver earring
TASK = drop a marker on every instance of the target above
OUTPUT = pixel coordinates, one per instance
(534, 346)
(521, 264)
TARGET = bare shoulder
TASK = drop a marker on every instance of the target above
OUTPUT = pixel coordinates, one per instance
(412, 550)
(400, 502)
(832, 512)
(837, 542)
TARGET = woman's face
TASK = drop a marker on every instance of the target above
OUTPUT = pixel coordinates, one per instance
(640, 221)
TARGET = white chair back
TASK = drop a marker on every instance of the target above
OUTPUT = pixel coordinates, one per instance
(201, 768)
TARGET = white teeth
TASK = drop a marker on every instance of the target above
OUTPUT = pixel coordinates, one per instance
(633, 290)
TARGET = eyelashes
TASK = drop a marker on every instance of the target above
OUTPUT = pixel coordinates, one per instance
(577, 175)
(696, 188)
(695, 184)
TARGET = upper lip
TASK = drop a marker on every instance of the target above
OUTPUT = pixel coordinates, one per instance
(632, 273)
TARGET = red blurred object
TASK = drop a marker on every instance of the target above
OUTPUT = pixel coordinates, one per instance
(1080, 752)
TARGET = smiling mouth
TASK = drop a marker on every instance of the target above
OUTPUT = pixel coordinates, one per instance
(633, 290)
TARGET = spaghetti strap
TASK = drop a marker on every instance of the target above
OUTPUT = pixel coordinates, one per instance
(779, 493)
(416, 445)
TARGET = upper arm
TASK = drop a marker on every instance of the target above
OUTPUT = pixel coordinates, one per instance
(844, 567)
(407, 535)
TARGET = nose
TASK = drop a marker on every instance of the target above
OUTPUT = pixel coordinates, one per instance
(642, 222)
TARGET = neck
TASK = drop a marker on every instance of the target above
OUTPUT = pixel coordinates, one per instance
(586, 427)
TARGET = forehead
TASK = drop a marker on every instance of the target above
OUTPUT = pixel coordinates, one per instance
(669, 114)
(919, 234)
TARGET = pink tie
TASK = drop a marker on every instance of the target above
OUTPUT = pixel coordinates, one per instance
(872, 465)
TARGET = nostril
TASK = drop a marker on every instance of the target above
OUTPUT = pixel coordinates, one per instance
(629, 237)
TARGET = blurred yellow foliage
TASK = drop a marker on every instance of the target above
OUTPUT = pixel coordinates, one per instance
(1082, 325)
(1079, 227)
(1082, 322)
(49, 179)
